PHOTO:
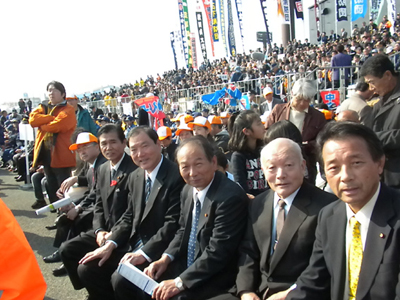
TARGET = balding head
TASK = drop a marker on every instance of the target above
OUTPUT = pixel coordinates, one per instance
(348, 115)
(283, 166)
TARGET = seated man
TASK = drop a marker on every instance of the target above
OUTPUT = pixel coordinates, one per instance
(281, 225)
(150, 222)
(111, 200)
(200, 262)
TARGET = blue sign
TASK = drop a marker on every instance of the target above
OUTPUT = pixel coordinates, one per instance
(358, 9)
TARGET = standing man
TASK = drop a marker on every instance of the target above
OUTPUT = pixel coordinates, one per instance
(148, 225)
(379, 73)
(200, 262)
(111, 200)
(341, 60)
(56, 122)
(83, 117)
(356, 251)
(281, 226)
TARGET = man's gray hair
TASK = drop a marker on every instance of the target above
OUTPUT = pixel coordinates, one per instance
(304, 88)
(277, 145)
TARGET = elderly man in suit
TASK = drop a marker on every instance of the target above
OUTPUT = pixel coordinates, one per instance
(281, 225)
(306, 118)
(111, 201)
(150, 222)
(356, 251)
(270, 101)
(200, 262)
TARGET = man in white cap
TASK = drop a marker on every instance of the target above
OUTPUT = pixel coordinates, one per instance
(270, 101)
(167, 144)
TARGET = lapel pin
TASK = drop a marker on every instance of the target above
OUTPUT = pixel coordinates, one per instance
(382, 236)
(119, 177)
(206, 215)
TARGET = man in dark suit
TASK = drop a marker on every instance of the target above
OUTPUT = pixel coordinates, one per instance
(306, 118)
(356, 251)
(341, 60)
(270, 100)
(273, 257)
(202, 255)
(150, 222)
(111, 200)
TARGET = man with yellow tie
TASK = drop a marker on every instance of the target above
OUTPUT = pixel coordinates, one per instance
(356, 252)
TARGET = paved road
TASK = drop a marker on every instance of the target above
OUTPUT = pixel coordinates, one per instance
(40, 239)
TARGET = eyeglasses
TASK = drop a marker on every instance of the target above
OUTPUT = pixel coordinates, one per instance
(84, 146)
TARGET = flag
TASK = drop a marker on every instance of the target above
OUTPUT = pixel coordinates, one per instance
(183, 32)
(299, 9)
(215, 34)
(222, 18)
(331, 97)
(231, 31)
(239, 10)
(152, 106)
(244, 103)
(172, 37)
(358, 9)
(207, 9)
(341, 10)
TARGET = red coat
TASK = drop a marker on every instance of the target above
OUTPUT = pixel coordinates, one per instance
(61, 122)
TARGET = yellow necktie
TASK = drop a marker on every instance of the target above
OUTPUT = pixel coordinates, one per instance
(355, 258)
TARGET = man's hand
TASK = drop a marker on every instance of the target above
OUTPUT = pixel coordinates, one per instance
(280, 296)
(133, 258)
(103, 253)
(165, 290)
(101, 238)
(157, 268)
(73, 213)
(249, 296)
(65, 185)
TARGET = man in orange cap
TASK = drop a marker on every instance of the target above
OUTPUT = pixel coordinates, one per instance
(167, 145)
(220, 135)
(184, 132)
(225, 118)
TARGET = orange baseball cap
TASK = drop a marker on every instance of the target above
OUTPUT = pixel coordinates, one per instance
(187, 119)
(183, 127)
(164, 132)
(177, 117)
(225, 115)
(83, 138)
(200, 121)
(215, 120)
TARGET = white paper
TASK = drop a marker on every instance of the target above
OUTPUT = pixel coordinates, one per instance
(26, 132)
(55, 205)
(137, 277)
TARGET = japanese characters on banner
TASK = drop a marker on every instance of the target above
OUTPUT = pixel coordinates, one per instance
(391, 4)
(215, 35)
(239, 9)
(193, 44)
(187, 25)
(299, 9)
(358, 9)
(341, 10)
(172, 37)
(179, 48)
(265, 10)
(207, 9)
(375, 6)
(231, 31)
(200, 30)
(222, 18)
(286, 13)
(331, 97)
(183, 32)
(152, 106)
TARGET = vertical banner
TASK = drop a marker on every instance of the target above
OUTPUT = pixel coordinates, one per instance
(341, 10)
(183, 32)
(179, 49)
(207, 9)
(193, 44)
(299, 9)
(215, 35)
(316, 11)
(200, 30)
(172, 37)
(391, 5)
(358, 9)
(187, 25)
(231, 31)
(222, 18)
(265, 11)
(375, 6)
(239, 9)
(286, 12)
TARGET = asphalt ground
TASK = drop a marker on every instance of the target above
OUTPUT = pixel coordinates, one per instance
(40, 239)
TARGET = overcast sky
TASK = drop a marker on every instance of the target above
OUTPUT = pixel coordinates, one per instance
(87, 44)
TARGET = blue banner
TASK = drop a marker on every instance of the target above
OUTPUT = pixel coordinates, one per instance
(183, 32)
(358, 9)
(172, 36)
(231, 31)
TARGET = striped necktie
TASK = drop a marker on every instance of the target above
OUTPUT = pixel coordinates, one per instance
(355, 258)
(193, 233)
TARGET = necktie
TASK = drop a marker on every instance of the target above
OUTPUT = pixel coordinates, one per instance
(280, 220)
(193, 233)
(148, 189)
(355, 258)
(113, 172)
(92, 170)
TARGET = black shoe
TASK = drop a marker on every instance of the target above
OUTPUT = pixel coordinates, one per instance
(51, 227)
(55, 257)
(60, 271)
(20, 178)
(39, 204)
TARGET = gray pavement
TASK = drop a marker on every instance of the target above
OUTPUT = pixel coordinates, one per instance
(40, 239)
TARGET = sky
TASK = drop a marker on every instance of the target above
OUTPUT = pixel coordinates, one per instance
(88, 44)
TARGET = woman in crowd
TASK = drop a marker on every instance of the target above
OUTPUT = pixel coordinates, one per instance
(247, 135)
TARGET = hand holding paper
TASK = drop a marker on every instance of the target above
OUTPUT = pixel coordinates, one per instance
(137, 277)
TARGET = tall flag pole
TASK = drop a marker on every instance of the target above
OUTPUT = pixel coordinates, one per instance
(239, 9)
(215, 34)
(200, 29)
(231, 31)
(207, 9)
(265, 11)
(222, 18)
(185, 43)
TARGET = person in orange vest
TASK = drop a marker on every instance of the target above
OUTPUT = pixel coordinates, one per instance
(20, 276)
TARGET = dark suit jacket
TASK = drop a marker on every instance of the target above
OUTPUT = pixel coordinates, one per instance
(325, 277)
(157, 222)
(111, 201)
(220, 229)
(264, 106)
(257, 269)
